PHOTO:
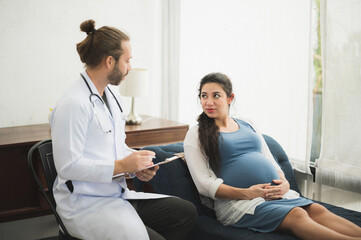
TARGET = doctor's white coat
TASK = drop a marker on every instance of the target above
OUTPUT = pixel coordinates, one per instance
(84, 153)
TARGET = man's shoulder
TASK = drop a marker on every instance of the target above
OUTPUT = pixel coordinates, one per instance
(74, 96)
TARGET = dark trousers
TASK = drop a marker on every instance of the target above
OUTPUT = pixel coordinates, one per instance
(166, 218)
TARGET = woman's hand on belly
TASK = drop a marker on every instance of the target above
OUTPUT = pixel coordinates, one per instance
(259, 190)
(277, 191)
(228, 192)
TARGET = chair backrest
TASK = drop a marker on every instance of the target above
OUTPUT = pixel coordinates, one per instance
(44, 149)
(46, 156)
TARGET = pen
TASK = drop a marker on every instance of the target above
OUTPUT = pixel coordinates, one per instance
(133, 150)
(123, 174)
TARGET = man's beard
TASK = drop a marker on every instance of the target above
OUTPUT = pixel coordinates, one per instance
(116, 76)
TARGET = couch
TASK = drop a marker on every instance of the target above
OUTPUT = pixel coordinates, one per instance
(174, 179)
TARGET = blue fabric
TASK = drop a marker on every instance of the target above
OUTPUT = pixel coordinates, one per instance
(243, 164)
(269, 215)
(174, 179)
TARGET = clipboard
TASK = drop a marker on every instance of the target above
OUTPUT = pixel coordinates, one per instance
(167, 160)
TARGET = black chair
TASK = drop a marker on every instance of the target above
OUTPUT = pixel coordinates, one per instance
(45, 151)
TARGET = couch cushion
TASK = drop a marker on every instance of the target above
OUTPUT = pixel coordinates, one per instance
(283, 161)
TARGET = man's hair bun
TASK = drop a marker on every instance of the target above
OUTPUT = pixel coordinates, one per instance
(88, 26)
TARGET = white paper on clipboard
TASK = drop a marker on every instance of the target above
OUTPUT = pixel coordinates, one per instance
(167, 160)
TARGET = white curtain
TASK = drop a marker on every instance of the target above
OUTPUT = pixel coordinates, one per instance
(170, 60)
(338, 170)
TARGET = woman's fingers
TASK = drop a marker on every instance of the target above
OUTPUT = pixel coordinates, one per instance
(263, 185)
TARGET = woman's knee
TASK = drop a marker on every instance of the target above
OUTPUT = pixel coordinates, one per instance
(296, 215)
(316, 210)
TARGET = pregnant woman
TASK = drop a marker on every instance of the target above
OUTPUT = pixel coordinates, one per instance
(236, 174)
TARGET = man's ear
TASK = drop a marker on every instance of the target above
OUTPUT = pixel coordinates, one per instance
(109, 62)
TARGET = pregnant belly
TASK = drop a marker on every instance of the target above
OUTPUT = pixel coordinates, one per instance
(248, 169)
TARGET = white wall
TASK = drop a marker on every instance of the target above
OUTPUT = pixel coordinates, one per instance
(38, 58)
(263, 46)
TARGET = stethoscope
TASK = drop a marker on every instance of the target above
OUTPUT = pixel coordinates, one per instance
(96, 95)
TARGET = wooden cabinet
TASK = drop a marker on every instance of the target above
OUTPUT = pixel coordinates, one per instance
(155, 131)
(20, 197)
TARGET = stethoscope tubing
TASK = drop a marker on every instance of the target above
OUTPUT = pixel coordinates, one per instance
(96, 95)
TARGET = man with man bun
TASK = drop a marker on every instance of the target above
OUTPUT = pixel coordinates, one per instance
(88, 136)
